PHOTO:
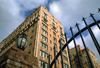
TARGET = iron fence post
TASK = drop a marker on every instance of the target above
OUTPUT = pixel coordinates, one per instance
(68, 50)
(61, 54)
(92, 36)
(85, 47)
(76, 48)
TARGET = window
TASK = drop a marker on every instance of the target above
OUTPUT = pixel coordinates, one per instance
(86, 57)
(65, 58)
(32, 31)
(50, 49)
(45, 15)
(57, 62)
(26, 37)
(41, 63)
(66, 66)
(64, 51)
(62, 40)
(43, 54)
(45, 32)
(27, 31)
(34, 16)
(56, 52)
(31, 39)
(50, 29)
(50, 57)
(33, 27)
(55, 45)
(30, 46)
(44, 45)
(60, 29)
(44, 26)
(50, 41)
(53, 24)
(55, 39)
(44, 38)
(54, 33)
(50, 35)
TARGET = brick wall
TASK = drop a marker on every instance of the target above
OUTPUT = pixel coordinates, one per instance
(16, 58)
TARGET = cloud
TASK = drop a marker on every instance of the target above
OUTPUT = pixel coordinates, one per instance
(69, 12)
(12, 14)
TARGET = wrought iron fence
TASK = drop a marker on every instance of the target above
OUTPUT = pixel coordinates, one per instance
(88, 27)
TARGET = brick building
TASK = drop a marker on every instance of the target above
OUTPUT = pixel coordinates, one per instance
(83, 57)
(43, 32)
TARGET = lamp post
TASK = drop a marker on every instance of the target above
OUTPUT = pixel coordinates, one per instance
(22, 42)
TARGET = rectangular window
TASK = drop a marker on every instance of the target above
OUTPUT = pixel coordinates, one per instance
(65, 58)
(41, 63)
(35, 16)
(44, 45)
(64, 52)
(56, 52)
(50, 41)
(57, 62)
(66, 66)
(43, 54)
(55, 39)
(32, 31)
(44, 38)
(60, 29)
(54, 33)
(55, 45)
(50, 57)
(27, 31)
(33, 27)
(45, 15)
(44, 26)
(62, 40)
(30, 46)
(50, 49)
(31, 39)
(86, 57)
(45, 32)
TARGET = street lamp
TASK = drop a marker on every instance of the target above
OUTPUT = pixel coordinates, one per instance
(22, 42)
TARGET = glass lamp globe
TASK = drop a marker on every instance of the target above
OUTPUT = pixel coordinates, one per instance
(22, 42)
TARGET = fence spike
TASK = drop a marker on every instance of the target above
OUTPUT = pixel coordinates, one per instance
(91, 15)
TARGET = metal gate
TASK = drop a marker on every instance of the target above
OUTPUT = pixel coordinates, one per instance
(88, 27)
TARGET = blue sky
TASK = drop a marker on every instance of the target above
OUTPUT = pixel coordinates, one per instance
(68, 12)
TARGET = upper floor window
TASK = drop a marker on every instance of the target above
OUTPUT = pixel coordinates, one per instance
(44, 26)
(50, 41)
(30, 46)
(55, 39)
(31, 38)
(66, 66)
(54, 33)
(32, 31)
(50, 35)
(60, 29)
(57, 62)
(43, 54)
(50, 49)
(50, 56)
(55, 45)
(35, 16)
(64, 52)
(65, 58)
(62, 40)
(44, 38)
(41, 63)
(33, 27)
(27, 31)
(44, 45)
(45, 32)
(45, 15)
(53, 24)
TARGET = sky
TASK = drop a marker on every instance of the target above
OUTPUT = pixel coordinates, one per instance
(68, 12)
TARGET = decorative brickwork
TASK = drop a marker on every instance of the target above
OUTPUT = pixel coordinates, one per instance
(16, 58)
